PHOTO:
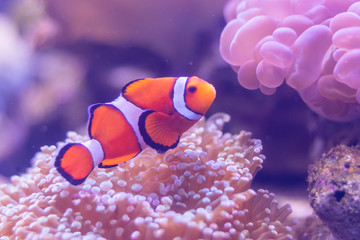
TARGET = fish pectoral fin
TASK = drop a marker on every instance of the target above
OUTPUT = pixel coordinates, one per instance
(158, 131)
(74, 162)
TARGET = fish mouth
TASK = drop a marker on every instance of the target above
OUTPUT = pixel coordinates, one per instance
(210, 93)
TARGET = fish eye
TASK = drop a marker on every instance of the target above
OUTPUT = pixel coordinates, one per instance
(192, 89)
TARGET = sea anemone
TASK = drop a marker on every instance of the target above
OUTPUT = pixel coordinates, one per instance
(314, 45)
(201, 189)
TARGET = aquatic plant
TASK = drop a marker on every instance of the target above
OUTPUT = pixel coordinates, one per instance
(201, 189)
(334, 191)
(311, 45)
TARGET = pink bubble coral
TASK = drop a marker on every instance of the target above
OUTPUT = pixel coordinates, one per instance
(201, 189)
(314, 45)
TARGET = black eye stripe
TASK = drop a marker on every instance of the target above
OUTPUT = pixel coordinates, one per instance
(192, 89)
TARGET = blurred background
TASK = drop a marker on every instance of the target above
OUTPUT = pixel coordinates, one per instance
(59, 57)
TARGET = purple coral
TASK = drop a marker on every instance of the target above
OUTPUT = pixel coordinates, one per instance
(313, 45)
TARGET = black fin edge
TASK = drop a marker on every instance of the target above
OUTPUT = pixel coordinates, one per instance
(67, 176)
(107, 166)
(91, 110)
(123, 90)
(147, 139)
(115, 165)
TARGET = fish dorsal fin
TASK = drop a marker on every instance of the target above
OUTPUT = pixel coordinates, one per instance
(151, 93)
(158, 131)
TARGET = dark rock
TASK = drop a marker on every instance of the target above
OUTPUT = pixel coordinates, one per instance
(334, 191)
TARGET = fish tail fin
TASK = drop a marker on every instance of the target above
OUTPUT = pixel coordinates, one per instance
(76, 161)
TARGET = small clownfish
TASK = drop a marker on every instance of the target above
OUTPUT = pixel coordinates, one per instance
(148, 113)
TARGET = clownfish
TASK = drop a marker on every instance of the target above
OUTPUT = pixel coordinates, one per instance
(150, 112)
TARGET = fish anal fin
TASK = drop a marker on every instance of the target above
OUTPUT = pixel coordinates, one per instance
(74, 162)
(158, 131)
(113, 162)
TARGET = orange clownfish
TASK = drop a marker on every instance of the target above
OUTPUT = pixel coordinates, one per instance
(150, 112)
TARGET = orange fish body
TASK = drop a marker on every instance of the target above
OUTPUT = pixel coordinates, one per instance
(148, 113)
